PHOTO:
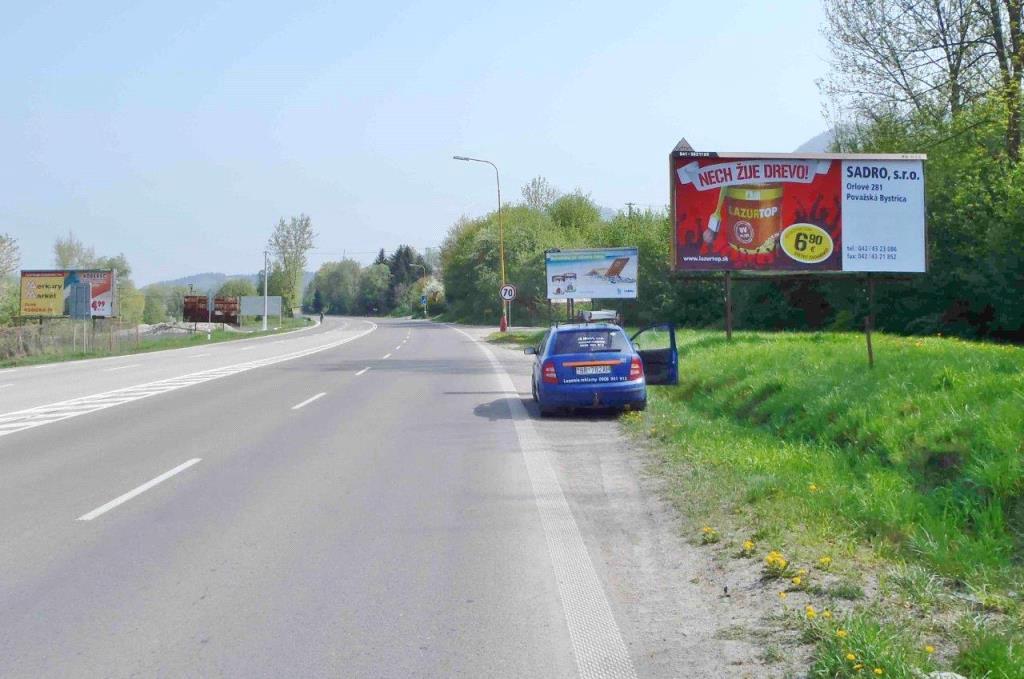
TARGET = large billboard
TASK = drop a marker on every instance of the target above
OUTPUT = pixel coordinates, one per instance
(252, 305)
(196, 309)
(603, 273)
(780, 212)
(79, 293)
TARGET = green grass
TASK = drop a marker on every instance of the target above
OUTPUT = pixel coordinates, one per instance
(520, 337)
(152, 344)
(912, 472)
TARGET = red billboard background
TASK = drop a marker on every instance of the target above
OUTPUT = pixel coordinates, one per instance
(753, 200)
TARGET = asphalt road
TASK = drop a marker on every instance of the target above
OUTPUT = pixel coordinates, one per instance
(371, 498)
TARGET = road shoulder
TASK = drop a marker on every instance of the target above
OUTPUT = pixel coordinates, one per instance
(666, 594)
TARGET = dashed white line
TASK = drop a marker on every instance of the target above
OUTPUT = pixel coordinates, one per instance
(246, 348)
(6, 385)
(46, 365)
(386, 356)
(122, 367)
(398, 347)
(362, 371)
(309, 400)
(38, 416)
(199, 355)
(138, 491)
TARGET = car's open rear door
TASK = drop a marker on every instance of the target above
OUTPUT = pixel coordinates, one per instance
(659, 354)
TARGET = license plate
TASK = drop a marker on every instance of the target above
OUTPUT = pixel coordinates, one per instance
(594, 370)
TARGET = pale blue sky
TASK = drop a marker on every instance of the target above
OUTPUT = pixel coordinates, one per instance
(178, 133)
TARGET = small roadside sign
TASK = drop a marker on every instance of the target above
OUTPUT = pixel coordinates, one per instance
(508, 292)
(423, 299)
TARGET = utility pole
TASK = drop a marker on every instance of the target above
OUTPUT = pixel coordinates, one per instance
(266, 301)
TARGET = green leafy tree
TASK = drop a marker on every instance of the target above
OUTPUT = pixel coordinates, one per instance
(71, 253)
(155, 308)
(291, 243)
(237, 287)
(373, 289)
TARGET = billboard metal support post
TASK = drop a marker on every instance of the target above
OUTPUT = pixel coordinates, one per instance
(869, 320)
(728, 305)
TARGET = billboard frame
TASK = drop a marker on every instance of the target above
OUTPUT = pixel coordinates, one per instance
(115, 307)
(683, 150)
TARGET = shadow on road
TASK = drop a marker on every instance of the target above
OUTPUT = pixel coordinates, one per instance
(500, 409)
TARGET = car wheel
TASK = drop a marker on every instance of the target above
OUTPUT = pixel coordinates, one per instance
(546, 411)
(533, 387)
(638, 406)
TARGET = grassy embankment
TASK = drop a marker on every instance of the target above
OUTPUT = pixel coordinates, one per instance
(128, 346)
(908, 480)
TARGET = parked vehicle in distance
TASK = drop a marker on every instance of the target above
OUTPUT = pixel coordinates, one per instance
(595, 365)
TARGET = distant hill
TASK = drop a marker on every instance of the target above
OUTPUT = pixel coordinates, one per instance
(211, 281)
(821, 143)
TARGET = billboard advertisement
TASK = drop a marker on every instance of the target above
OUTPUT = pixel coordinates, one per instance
(80, 293)
(781, 212)
(602, 273)
(197, 309)
(252, 305)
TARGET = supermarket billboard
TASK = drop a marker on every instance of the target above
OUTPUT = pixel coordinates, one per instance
(600, 273)
(79, 293)
(786, 212)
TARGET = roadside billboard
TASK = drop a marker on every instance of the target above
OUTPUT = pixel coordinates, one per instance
(252, 305)
(80, 293)
(196, 309)
(784, 212)
(601, 273)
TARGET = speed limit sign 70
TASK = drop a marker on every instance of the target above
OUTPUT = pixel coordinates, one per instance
(508, 292)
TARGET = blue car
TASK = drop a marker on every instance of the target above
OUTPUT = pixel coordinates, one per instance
(595, 365)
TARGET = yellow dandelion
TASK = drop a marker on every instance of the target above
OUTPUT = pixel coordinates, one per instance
(811, 613)
(879, 671)
(851, 657)
(929, 649)
(841, 633)
(858, 666)
(827, 614)
(825, 561)
(783, 595)
(748, 545)
(708, 529)
(813, 487)
(797, 581)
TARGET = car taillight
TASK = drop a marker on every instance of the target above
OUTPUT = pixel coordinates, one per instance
(550, 377)
(636, 369)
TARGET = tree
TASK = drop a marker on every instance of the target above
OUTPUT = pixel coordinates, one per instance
(154, 309)
(291, 243)
(1007, 35)
(71, 253)
(373, 288)
(406, 266)
(381, 257)
(9, 255)
(539, 194)
(237, 287)
(318, 301)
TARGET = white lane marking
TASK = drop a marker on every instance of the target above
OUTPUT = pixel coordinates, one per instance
(122, 367)
(598, 645)
(62, 410)
(398, 347)
(46, 365)
(6, 385)
(309, 400)
(386, 356)
(138, 491)
(362, 371)
(246, 348)
(199, 355)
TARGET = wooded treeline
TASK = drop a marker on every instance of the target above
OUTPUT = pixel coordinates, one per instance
(942, 77)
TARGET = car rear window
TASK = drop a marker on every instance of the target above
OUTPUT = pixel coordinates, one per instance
(588, 341)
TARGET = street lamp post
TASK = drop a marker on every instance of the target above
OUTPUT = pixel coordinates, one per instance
(501, 236)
